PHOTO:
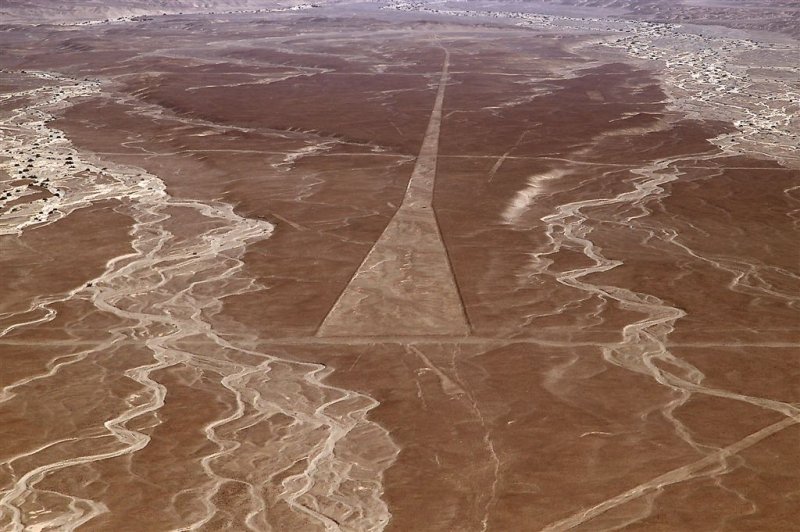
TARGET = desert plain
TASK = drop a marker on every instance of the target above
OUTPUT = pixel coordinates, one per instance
(407, 266)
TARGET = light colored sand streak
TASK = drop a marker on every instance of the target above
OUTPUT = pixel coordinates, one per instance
(405, 285)
(711, 465)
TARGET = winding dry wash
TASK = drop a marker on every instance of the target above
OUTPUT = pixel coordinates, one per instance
(399, 266)
(159, 293)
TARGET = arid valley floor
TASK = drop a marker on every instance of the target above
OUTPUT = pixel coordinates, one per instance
(407, 266)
